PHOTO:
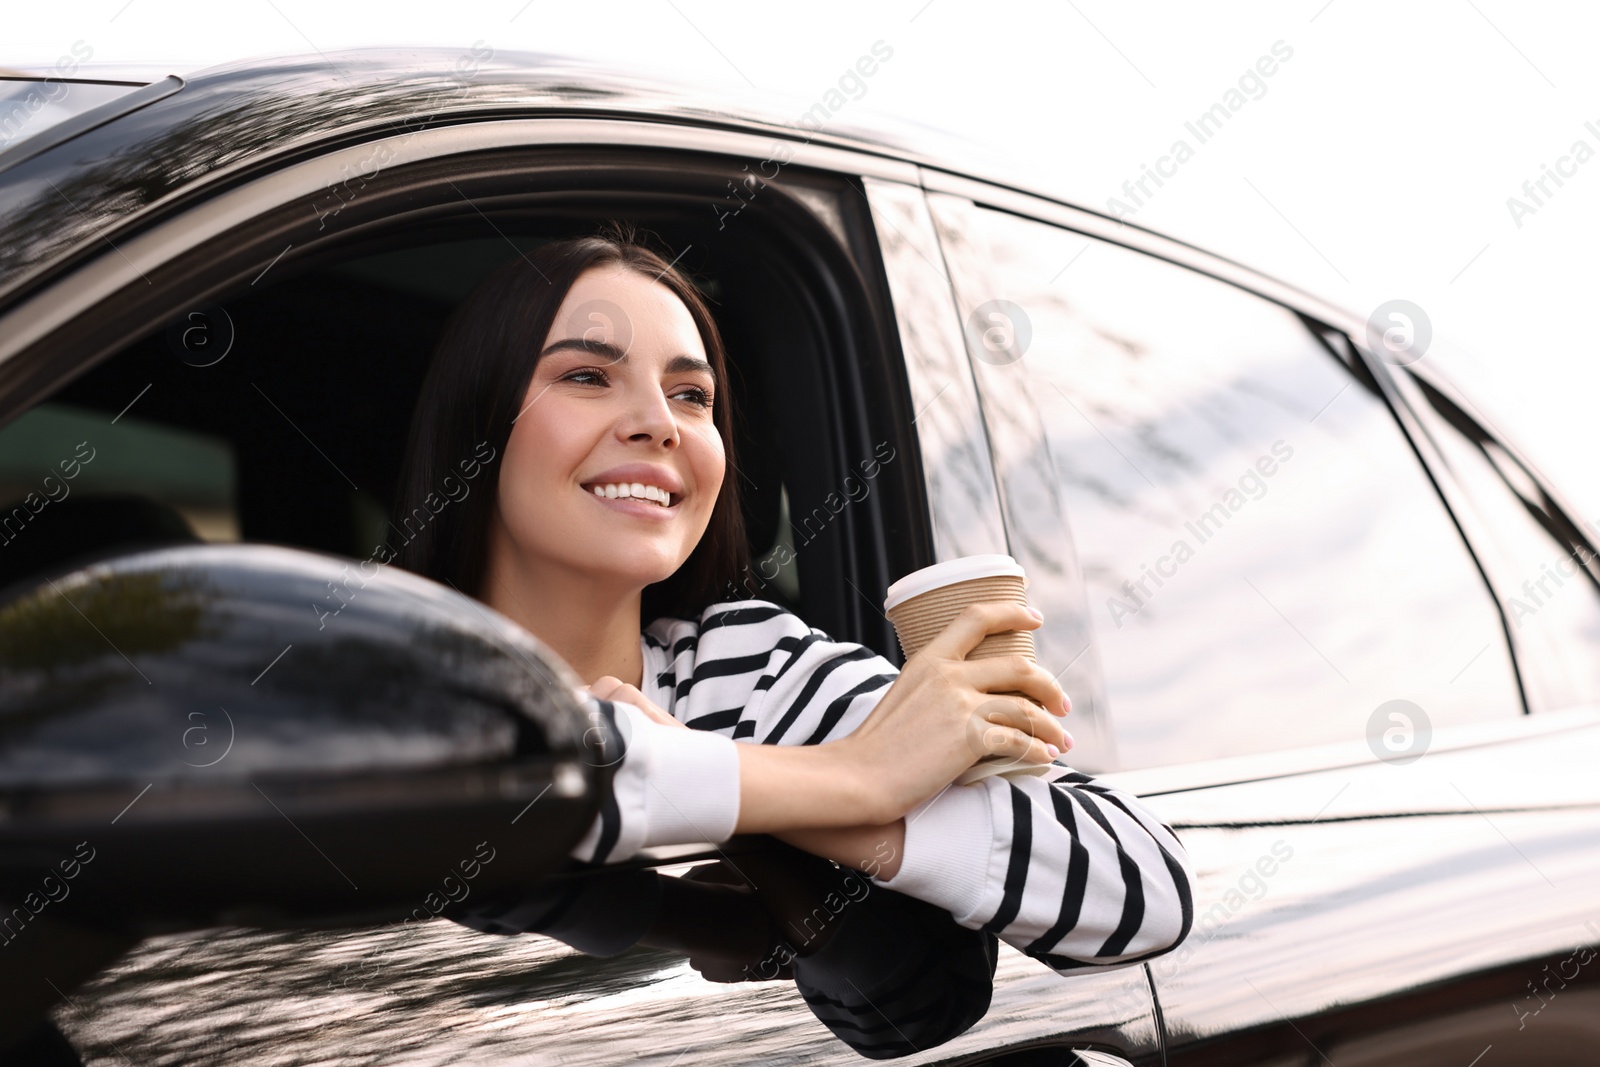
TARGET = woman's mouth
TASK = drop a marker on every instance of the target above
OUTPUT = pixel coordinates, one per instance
(634, 498)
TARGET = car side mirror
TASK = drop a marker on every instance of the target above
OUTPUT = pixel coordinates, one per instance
(248, 734)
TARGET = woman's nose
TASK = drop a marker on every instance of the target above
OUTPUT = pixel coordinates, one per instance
(649, 416)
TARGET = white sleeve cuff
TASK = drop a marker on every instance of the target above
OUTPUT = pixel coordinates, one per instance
(691, 784)
(950, 847)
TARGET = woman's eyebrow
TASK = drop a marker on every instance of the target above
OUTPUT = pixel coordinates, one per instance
(675, 365)
(584, 344)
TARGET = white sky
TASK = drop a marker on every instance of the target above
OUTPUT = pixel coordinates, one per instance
(1376, 166)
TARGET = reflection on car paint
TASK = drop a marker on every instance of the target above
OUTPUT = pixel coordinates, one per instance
(439, 993)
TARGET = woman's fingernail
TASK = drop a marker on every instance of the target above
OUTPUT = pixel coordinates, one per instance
(1036, 613)
(1066, 739)
(1053, 750)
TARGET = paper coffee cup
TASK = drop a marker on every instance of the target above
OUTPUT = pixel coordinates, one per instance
(924, 602)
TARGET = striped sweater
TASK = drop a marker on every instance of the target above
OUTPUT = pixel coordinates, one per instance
(1063, 868)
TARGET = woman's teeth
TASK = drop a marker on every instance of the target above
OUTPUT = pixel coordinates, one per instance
(636, 490)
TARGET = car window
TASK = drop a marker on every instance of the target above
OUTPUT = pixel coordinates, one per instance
(1267, 564)
(1547, 571)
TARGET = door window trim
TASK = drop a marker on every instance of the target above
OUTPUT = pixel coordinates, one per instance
(128, 261)
(85, 316)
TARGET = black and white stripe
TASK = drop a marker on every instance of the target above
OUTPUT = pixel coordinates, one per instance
(1062, 867)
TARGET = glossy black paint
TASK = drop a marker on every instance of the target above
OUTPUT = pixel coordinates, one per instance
(236, 120)
(1377, 910)
(254, 730)
(81, 123)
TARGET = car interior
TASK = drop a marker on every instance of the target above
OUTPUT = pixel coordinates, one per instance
(277, 410)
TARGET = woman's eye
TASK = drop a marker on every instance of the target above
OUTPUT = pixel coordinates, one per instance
(697, 396)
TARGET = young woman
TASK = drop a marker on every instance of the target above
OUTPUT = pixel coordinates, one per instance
(592, 372)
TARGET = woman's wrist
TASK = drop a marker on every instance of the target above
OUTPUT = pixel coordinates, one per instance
(790, 787)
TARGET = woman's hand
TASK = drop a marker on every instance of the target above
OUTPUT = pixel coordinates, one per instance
(941, 715)
(944, 713)
(607, 687)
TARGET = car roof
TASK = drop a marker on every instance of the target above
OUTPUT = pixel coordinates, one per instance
(69, 185)
(68, 192)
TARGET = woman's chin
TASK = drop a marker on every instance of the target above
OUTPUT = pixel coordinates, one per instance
(647, 556)
(633, 567)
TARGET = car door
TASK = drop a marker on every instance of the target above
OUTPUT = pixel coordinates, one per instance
(93, 321)
(1294, 655)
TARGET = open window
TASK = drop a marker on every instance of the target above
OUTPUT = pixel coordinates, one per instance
(279, 362)
(257, 384)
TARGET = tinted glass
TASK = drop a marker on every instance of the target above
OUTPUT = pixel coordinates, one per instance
(1547, 570)
(1267, 563)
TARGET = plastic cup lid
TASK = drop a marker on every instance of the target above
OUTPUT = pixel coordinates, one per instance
(949, 572)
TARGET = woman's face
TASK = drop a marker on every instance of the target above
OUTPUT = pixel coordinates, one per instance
(619, 398)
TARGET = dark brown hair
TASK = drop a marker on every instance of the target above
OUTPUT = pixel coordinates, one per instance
(474, 387)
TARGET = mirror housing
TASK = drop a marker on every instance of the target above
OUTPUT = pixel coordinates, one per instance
(243, 734)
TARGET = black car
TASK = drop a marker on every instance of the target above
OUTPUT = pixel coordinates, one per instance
(1332, 626)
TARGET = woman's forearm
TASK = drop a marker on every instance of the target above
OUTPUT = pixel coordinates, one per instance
(793, 787)
(815, 798)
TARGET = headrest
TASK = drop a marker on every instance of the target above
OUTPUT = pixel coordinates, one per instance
(81, 529)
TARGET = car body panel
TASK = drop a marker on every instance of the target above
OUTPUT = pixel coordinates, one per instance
(1397, 877)
(439, 993)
